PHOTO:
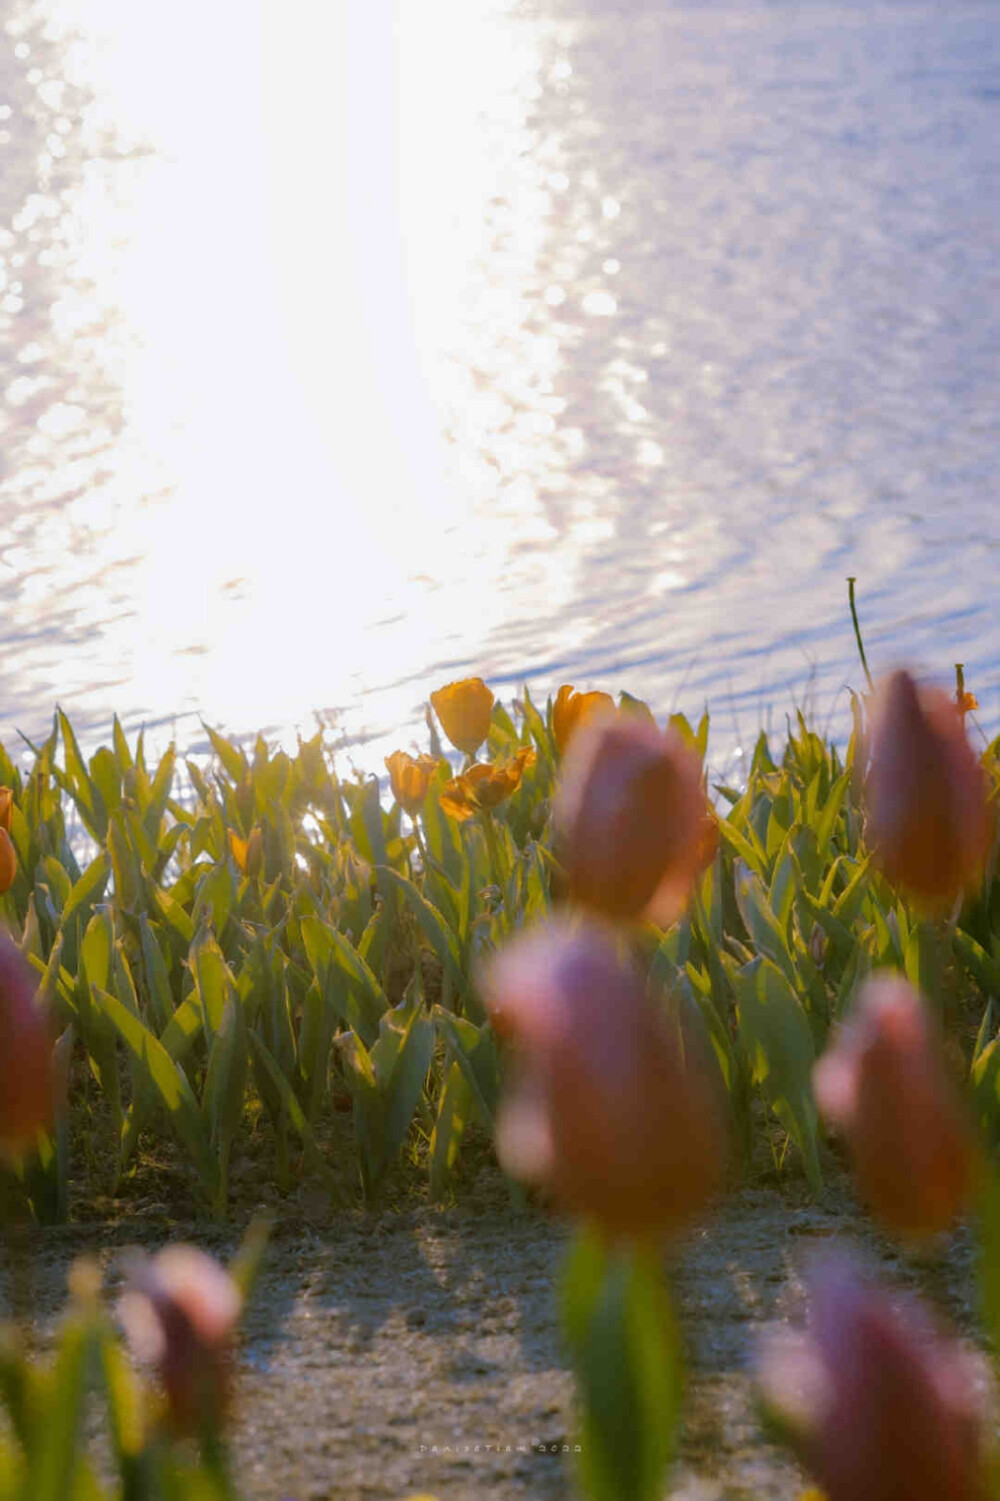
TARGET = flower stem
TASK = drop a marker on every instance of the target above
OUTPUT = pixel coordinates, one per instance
(857, 631)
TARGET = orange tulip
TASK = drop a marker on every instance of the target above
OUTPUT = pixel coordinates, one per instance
(928, 819)
(484, 786)
(26, 1069)
(8, 861)
(409, 778)
(464, 709)
(630, 817)
(6, 807)
(603, 1113)
(572, 709)
(880, 1400)
(180, 1312)
(884, 1085)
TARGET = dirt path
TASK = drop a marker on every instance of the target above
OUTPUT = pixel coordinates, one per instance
(418, 1351)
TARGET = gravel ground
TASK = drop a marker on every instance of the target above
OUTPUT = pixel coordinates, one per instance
(417, 1351)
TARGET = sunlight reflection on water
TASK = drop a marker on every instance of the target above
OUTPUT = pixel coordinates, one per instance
(333, 369)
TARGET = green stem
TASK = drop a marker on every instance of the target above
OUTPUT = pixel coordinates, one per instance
(215, 1459)
(857, 631)
(497, 866)
(421, 846)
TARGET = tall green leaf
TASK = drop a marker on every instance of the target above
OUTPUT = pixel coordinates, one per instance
(778, 1040)
(618, 1323)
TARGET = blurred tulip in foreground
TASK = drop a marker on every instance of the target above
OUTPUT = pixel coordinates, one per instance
(571, 709)
(409, 778)
(8, 862)
(630, 819)
(928, 820)
(884, 1085)
(484, 786)
(180, 1312)
(26, 1068)
(464, 709)
(881, 1404)
(603, 1112)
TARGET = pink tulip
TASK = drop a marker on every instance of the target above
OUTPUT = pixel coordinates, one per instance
(603, 1112)
(928, 822)
(26, 1070)
(881, 1403)
(630, 816)
(180, 1313)
(883, 1084)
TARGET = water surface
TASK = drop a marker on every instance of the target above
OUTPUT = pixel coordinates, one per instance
(343, 354)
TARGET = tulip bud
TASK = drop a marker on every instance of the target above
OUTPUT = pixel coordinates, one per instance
(572, 709)
(818, 945)
(465, 710)
(409, 778)
(8, 862)
(238, 850)
(180, 1313)
(879, 1401)
(630, 819)
(26, 1068)
(255, 851)
(928, 820)
(603, 1112)
(884, 1085)
(6, 807)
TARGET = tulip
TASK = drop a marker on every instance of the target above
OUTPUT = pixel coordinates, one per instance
(882, 1404)
(465, 710)
(630, 816)
(484, 786)
(238, 850)
(180, 1312)
(603, 1113)
(964, 702)
(8, 862)
(884, 1085)
(6, 807)
(26, 1068)
(248, 854)
(572, 709)
(928, 820)
(26, 1052)
(409, 778)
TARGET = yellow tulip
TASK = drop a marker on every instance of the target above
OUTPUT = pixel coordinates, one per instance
(571, 709)
(8, 862)
(248, 853)
(6, 807)
(485, 786)
(238, 850)
(464, 709)
(409, 778)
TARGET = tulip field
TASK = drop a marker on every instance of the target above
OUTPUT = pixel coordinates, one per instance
(554, 933)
